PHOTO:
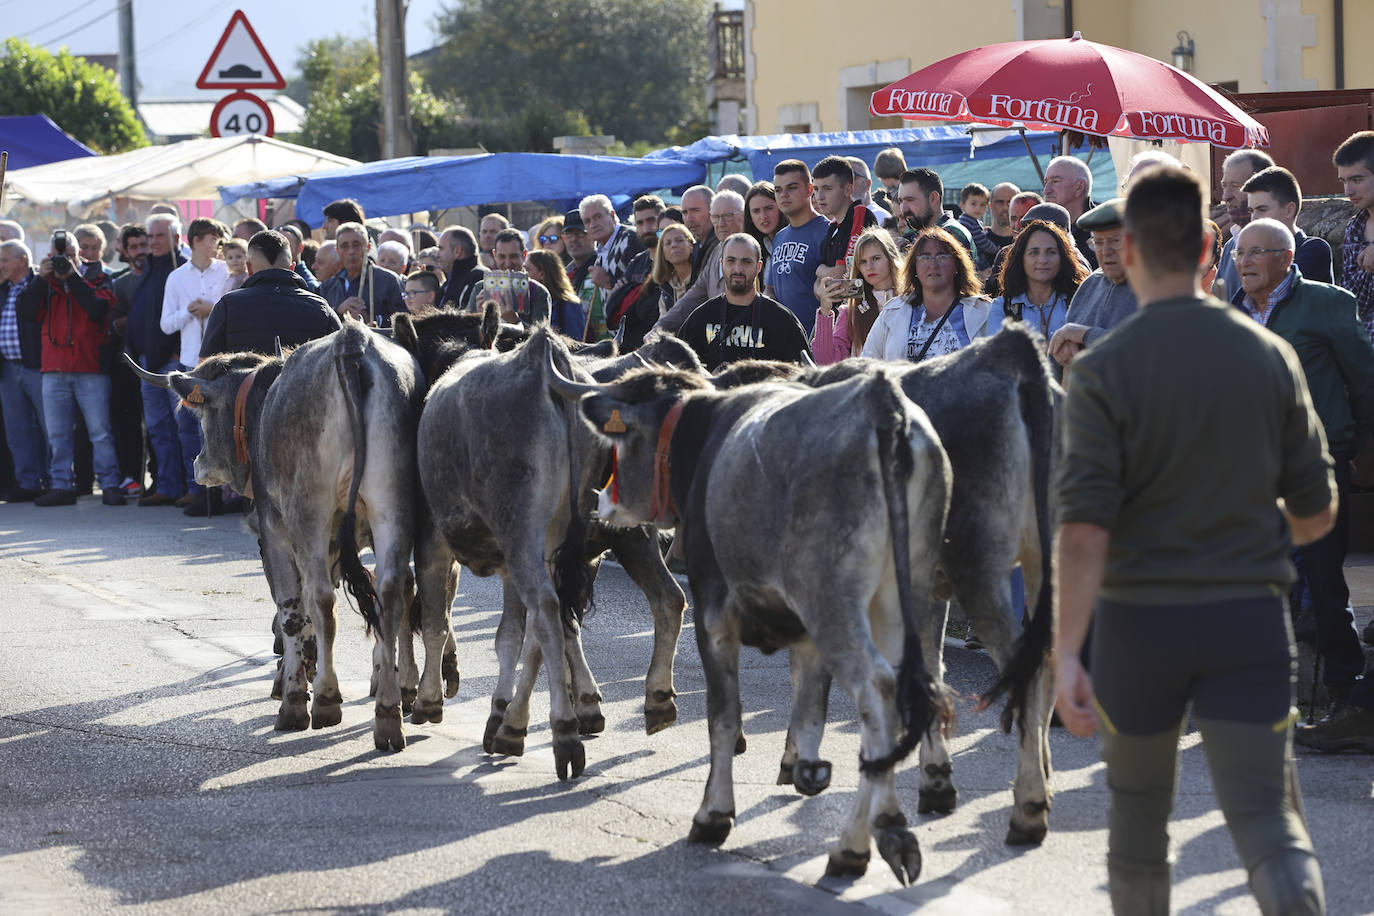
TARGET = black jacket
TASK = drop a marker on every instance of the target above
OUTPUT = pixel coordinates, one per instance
(30, 332)
(701, 253)
(467, 273)
(143, 335)
(271, 304)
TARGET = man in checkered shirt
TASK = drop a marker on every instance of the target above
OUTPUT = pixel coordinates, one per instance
(1354, 161)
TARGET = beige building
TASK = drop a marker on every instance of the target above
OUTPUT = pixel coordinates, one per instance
(811, 65)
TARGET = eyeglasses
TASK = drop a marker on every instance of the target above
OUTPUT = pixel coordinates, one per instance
(548, 239)
(925, 260)
(1104, 244)
(414, 293)
(1256, 252)
(722, 217)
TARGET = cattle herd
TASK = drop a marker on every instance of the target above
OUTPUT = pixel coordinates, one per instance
(831, 512)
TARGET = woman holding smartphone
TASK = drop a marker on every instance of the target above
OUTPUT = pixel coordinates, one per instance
(850, 306)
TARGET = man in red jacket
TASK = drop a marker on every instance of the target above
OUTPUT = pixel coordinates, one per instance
(71, 310)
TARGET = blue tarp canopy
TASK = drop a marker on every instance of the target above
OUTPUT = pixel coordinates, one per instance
(408, 185)
(35, 140)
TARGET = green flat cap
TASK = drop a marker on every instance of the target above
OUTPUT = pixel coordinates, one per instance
(1108, 215)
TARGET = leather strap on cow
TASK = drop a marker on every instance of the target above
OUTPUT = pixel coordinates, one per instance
(661, 501)
(240, 418)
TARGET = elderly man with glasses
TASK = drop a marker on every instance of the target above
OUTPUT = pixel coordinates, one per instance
(1105, 299)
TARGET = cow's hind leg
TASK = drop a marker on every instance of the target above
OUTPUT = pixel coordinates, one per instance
(392, 541)
(436, 581)
(937, 792)
(317, 589)
(638, 551)
(510, 641)
(801, 765)
(718, 641)
(291, 685)
(508, 736)
(586, 695)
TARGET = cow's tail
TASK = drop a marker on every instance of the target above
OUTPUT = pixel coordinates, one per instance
(573, 577)
(348, 358)
(1032, 649)
(919, 699)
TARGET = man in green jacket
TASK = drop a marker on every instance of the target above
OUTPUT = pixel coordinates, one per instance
(1320, 322)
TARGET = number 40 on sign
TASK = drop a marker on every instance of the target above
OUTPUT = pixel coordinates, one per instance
(240, 114)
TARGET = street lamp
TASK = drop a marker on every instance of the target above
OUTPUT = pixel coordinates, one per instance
(1183, 54)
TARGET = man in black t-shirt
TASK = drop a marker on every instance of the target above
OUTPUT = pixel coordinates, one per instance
(742, 324)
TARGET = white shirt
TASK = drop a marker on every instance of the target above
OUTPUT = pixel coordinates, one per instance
(891, 331)
(185, 285)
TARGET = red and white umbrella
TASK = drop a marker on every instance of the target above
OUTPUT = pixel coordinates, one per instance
(1071, 84)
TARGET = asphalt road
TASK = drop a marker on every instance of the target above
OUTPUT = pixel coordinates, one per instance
(139, 769)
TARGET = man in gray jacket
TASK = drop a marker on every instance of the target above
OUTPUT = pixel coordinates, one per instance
(1105, 299)
(727, 218)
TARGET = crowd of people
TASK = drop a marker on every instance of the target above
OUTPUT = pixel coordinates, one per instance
(824, 263)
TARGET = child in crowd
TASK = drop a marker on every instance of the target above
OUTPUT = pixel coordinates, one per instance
(973, 201)
(236, 259)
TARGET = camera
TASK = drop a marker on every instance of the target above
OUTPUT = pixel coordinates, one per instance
(61, 264)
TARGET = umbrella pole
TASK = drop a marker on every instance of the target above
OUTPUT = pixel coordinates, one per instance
(4, 162)
(1034, 158)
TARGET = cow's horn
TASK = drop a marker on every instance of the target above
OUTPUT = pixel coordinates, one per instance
(808, 360)
(277, 341)
(152, 378)
(563, 385)
(642, 361)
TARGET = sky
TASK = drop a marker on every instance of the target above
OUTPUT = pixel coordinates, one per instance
(174, 38)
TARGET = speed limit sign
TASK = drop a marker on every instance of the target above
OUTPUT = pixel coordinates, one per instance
(240, 114)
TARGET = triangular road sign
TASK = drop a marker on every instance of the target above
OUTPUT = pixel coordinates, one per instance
(240, 61)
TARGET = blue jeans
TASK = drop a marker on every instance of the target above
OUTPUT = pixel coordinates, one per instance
(21, 397)
(63, 394)
(158, 404)
(188, 434)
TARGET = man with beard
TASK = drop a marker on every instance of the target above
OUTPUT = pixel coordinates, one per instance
(1236, 170)
(647, 210)
(459, 262)
(920, 203)
(126, 401)
(742, 323)
(999, 205)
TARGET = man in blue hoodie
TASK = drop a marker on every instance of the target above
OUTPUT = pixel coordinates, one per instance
(158, 352)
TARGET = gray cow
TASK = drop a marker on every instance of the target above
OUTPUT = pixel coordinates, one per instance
(722, 467)
(324, 443)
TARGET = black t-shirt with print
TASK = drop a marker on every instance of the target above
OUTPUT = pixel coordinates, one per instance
(836, 247)
(764, 329)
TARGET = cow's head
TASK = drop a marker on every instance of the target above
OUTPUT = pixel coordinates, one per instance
(630, 413)
(436, 339)
(211, 391)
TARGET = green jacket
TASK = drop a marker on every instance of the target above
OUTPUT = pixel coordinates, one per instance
(1320, 322)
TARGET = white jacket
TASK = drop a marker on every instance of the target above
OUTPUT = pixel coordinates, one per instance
(888, 336)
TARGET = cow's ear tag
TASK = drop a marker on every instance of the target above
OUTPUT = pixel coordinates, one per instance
(195, 397)
(614, 424)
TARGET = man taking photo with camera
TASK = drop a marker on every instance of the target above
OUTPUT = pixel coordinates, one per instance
(71, 310)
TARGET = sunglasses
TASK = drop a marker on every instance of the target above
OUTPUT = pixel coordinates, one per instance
(548, 239)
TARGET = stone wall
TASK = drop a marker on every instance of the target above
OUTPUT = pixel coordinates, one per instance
(1325, 217)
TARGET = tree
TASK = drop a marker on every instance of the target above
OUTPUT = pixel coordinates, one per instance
(80, 97)
(631, 68)
(344, 112)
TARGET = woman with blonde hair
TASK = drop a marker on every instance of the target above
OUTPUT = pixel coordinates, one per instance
(940, 309)
(842, 330)
(548, 236)
(668, 280)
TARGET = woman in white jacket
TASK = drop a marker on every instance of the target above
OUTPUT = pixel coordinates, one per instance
(941, 308)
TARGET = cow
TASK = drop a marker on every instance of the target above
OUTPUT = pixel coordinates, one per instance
(994, 406)
(723, 467)
(503, 513)
(324, 443)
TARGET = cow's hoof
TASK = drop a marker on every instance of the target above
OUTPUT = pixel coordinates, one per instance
(897, 845)
(939, 801)
(846, 863)
(591, 723)
(277, 643)
(277, 682)
(449, 669)
(741, 744)
(408, 695)
(1033, 837)
(508, 741)
(387, 733)
(428, 712)
(327, 710)
(785, 770)
(812, 777)
(569, 757)
(657, 718)
(293, 716)
(714, 831)
(489, 736)
(1034, 826)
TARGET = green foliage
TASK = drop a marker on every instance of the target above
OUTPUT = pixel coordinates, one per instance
(332, 65)
(80, 97)
(524, 68)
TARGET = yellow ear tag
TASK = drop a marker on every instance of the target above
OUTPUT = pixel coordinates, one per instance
(195, 397)
(614, 424)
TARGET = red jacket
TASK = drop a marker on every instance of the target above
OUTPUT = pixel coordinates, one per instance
(72, 315)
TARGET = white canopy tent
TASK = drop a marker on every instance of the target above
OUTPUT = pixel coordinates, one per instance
(192, 169)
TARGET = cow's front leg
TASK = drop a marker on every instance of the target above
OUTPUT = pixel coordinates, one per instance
(513, 725)
(801, 765)
(1030, 818)
(718, 642)
(326, 708)
(292, 683)
(436, 582)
